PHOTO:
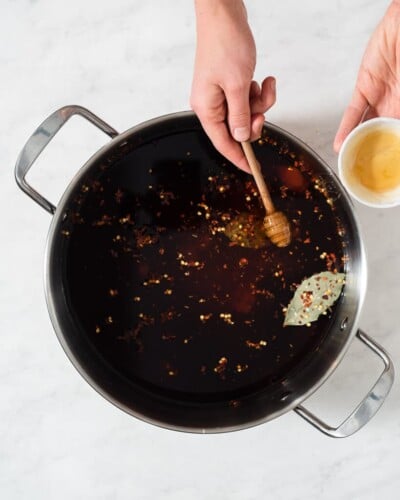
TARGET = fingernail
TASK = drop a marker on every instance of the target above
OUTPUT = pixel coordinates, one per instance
(336, 145)
(241, 134)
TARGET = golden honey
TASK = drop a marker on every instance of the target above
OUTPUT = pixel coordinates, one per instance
(377, 161)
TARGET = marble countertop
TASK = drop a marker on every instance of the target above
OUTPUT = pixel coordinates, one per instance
(129, 61)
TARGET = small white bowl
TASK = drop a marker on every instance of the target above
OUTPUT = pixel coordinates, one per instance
(346, 158)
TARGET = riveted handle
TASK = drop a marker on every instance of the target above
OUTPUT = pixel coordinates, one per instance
(39, 140)
(368, 406)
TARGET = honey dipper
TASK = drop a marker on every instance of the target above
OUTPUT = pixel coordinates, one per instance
(276, 224)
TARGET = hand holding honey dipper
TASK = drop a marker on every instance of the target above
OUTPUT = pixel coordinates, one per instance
(231, 106)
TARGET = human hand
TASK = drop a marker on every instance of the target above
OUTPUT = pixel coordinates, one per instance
(377, 91)
(229, 104)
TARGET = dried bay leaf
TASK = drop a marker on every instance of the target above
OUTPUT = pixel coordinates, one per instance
(313, 297)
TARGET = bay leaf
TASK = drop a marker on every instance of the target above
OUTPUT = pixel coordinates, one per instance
(313, 297)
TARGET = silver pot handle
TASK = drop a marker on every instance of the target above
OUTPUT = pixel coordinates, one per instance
(368, 406)
(39, 140)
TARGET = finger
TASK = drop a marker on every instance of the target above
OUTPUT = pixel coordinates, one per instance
(268, 92)
(257, 119)
(238, 102)
(351, 118)
(266, 98)
(257, 122)
(260, 102)
(209, 104)
(255, 90)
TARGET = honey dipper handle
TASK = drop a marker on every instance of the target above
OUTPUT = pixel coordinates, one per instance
(256, 171)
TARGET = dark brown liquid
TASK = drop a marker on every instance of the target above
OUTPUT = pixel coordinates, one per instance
(167, 298)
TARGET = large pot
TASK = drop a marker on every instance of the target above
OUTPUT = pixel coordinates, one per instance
(174, 151)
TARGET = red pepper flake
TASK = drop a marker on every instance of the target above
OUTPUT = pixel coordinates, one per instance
(205, 317)
(126, 219)
(221, 366)
(266, 293)
(164, 336)
(146, 319)
(249, 322)
(143, 238)
(172, 372)
(167, 316)
(96, 186)
(241, 368)
(118, 195)
(166, 197)
(192, 263)
(133, 336)
(227, 317)
(76, 218)
(106, 220)
(307, 298)
(256, 345)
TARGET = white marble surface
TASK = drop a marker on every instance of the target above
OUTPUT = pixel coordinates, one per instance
(128, 61)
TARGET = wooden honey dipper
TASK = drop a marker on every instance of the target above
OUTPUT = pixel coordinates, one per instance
(276, 224)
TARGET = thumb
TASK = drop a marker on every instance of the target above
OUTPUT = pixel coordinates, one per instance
(351, 118)
(239, 115)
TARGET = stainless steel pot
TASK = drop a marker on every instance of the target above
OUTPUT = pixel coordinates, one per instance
(191, 416)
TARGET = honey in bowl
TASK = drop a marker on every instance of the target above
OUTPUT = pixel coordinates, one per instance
(377, 164)
(369, 163)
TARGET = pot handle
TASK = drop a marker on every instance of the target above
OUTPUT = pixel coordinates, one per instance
(368, 406)
(39, 140)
